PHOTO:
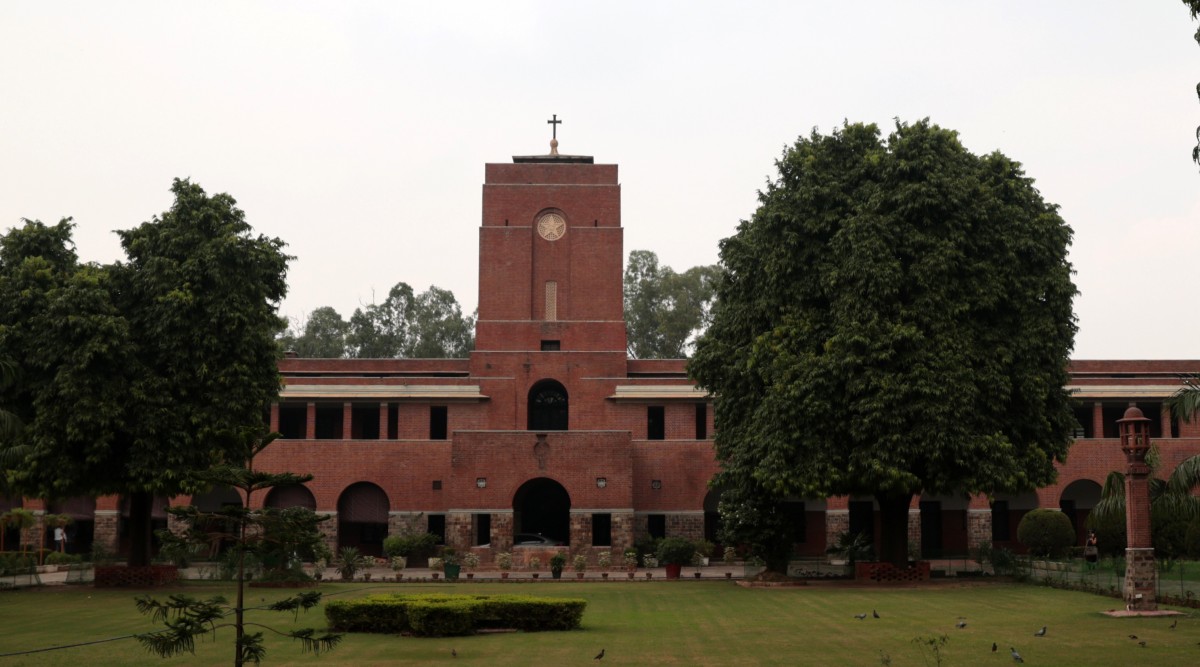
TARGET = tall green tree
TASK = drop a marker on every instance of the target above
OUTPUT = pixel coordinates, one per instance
(322, 336)
(894, 319)
(140, 372)
(665, 311)
(405, 324)
(1194, 7)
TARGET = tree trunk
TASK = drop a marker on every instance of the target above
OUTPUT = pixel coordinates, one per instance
(140, 507)
(893, 519)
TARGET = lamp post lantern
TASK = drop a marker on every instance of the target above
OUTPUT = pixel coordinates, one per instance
(1141, 576)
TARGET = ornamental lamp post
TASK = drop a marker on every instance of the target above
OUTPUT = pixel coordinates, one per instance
(1141, 576)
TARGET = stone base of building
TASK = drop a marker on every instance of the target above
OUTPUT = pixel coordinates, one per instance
(888, 573)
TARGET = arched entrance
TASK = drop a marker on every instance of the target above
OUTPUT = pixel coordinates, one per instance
(542, 506)
(158, 521)
(712, 518)
(548, 406)
(1077, 501)
(1007, 512)
(290, 496)
(222, 534)
(362, 518)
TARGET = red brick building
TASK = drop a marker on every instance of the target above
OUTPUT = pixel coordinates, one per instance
(550, 428)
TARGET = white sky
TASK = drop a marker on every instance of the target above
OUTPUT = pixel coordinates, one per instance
(357, 131)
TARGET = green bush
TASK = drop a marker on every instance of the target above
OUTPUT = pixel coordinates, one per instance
(1168, 534)
(56, 558)
(675, 550)
(410, 545)
(1046, 532)
(15, 562)
(445, 615)
(1110, 534)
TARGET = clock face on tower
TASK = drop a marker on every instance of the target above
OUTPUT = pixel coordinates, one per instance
(551, 226)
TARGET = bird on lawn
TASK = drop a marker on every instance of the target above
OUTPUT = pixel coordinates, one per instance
(599, 655)
(860, 616)
(1142, 643)
(1133, 636)
(961, 624)
(1016, 656)
(1174, 623)
(453, 653)
(1040, 633)
(994, 647)
(875, 613)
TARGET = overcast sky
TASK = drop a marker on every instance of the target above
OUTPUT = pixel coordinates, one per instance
(358, 131)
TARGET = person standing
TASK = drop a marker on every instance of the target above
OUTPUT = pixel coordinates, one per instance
(60, 539)
(1091, 550)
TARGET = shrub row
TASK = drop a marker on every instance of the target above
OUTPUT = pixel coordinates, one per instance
(439, 615)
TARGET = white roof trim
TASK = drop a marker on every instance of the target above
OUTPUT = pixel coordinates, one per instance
(1122, 390)
(410, 392)
(658, 392)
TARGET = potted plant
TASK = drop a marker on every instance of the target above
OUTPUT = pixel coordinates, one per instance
(471, 561)
(435, 567)
(651, 562)
(729, 556)
(580, 563)
(631, 560)
(450, 564)
(535, 564)
(557, 562)
(504, 562)
(350, 561)
(697, 562)
(319, 566)
(398, 564)
(674, 553)
(604, 561)
(704, 550)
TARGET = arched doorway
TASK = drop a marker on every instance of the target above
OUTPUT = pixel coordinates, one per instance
(363, 518)
(1007, 512)
(712, 518)
(542, 506)
(548, 406)
(1077, 501)
(221, 534)
(158, 521)
(82, 529)
(291, 496)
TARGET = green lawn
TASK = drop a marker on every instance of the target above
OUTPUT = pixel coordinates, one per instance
(661, 623)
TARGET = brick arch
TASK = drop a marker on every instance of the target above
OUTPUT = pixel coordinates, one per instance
(1077, 500)
(362, 516)
(548, 406)
(291, 496)
(542, 505)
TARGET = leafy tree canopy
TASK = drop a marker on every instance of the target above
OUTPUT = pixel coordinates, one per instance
(429, 325)
(1194, 7)
(665, 311)
(136, 373)
(894, 319)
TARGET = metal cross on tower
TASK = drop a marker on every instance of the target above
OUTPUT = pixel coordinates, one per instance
(554, 122)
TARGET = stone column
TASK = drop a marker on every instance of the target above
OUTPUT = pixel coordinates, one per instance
(1141, 575)
(836, 523)
(581, 530)
(329, 531)
(622, 532)
(105, 535)
(688, 525)
(502, 532)
(914, 532)
(979, 529)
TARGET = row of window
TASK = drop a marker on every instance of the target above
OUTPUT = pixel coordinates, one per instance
(547, 413)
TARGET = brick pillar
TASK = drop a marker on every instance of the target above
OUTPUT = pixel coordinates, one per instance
(329, 530)
(581, 530)
(502, 532)
(837, 521)
(35, 535)
(273, 420)
(310, 421)
(458, 531)
(979, 529)
(914, 531)
(347, 420)
(105, 535)
(383, 421)
(1098, 419)
(1165, 421)
(622, 532)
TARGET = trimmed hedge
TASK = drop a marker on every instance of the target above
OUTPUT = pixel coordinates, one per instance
(441, 615)
(1046, 532)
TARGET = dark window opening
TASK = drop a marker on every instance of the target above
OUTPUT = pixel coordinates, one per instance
(437, 485)
(293, 420)
(437, 526)
(602, 530)
(656, 422)
(656, 525)
(1000, 520)
(1083, 419)
(438, 422)
(483, 528)
(797, 519)
(548, 407)
(1068, 508)
(551, 346)
(370, 533)
(701, 421)
(862, 519)
(364, 421)
(329, 422)
(393, 421)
